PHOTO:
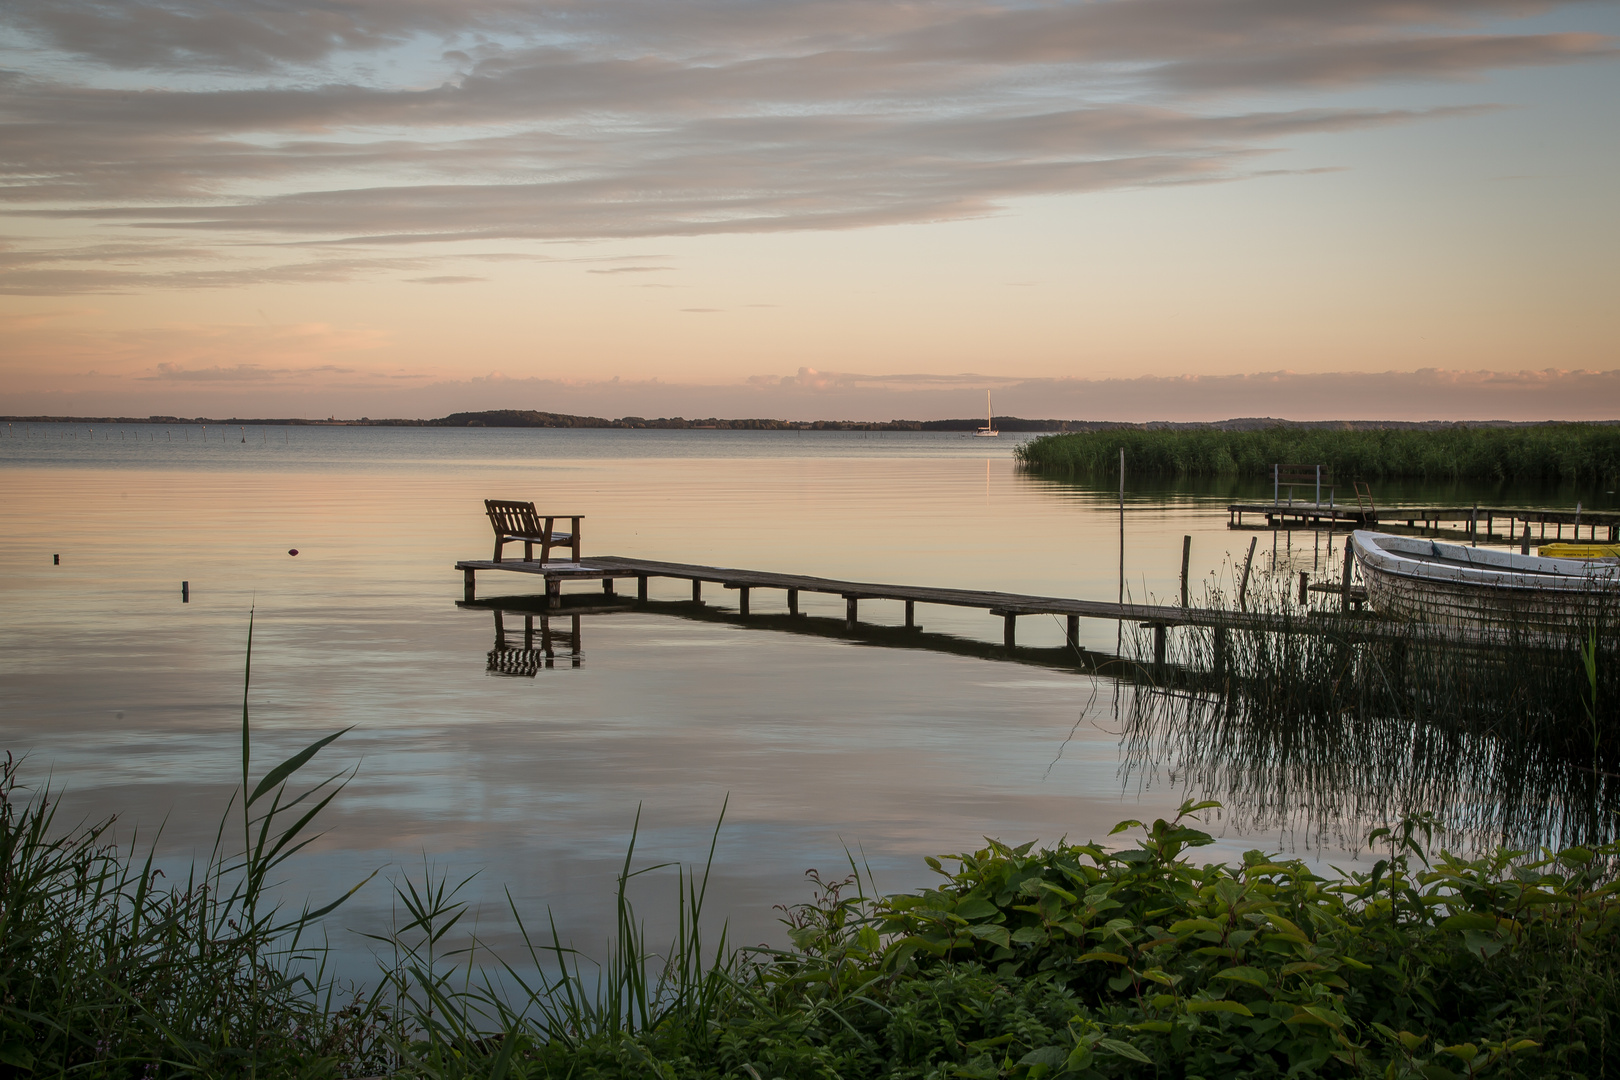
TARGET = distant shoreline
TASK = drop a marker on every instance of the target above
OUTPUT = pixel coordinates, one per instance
(508, 418)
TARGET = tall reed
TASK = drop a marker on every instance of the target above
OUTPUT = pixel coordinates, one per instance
(1343, 722)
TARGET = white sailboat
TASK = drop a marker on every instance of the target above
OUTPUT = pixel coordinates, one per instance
(989, 430)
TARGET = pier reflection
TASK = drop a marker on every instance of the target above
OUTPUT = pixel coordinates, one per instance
(1301, 748)
(537, 618)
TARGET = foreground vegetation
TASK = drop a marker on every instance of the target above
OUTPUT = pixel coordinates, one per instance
(1120, 959)
(1580, 453)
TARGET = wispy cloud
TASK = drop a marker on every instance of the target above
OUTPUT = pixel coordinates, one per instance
(418, 121)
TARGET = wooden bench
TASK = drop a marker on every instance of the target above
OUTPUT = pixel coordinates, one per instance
(518, 521)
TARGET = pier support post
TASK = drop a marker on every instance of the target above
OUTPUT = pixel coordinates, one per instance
(553, 593)
(1220, 651)
(500, 631)
(469, 586)
(1304, 588)
(911, 614)
(607, 586)
(641, 588)
(793, 601)
(1072, 631)
(1160, 632)
(850, 612)
(528, 631)
(574, 649)
(742, 601)
(1524, 545)
(697, 591)
(1009, 630)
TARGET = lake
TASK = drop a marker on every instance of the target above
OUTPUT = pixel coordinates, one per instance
(820, 748)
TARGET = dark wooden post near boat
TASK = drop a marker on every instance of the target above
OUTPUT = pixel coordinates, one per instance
(1009, 630)
(793, 601)
(641, 588)
(1524, 545)
(1072, 631)
(1344, 584)
(911, 614)
(850, 612)
(1243, 586)
(1186, 558)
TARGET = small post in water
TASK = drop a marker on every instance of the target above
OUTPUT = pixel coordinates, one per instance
(1186, 557)
(1524, 545)
(185, 592)
(1243, 586)
(1304, 588)
(56, 560)
(1344, 583)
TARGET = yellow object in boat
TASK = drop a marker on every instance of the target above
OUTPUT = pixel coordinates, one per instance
(1580, 551)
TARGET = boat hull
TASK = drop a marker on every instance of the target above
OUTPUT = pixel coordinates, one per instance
(1479, 590)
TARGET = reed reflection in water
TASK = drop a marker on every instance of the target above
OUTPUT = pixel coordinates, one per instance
(1325, 735)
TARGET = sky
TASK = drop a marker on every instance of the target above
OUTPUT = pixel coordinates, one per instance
(806, 209)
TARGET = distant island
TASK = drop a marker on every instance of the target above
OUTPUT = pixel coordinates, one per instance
(525, 418)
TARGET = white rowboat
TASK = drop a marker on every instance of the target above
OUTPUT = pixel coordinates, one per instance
(1413, 577)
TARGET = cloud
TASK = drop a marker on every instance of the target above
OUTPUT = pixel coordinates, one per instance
(384, 124)
(630, 270)
(238, 373)
(445, 279)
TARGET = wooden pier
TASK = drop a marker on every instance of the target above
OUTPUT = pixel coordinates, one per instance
(609, 569)
(1470, 522)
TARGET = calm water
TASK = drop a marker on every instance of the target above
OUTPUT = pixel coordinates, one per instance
(130, 700)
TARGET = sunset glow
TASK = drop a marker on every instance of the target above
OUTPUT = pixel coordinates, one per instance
(1130, 209)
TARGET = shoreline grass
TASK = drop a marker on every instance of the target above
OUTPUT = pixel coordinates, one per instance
(1579, 453)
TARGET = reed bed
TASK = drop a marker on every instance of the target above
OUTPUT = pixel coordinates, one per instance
(1514, 743)
(1579, 453)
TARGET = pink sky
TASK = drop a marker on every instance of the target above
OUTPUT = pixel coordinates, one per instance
(1126, 209)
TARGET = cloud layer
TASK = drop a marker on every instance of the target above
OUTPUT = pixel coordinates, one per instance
(191, 127)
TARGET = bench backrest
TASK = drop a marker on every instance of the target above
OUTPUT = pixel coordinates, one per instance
(1303, 474)
(513, 518)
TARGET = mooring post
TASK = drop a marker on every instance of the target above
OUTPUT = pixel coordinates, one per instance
(1304, 588)
(1186, 558)
(1524, 545)
(1160, 632)
(1344, 584)
(793, 601)
(1072, 631)
(469, 585)
(1009, 630)
(849, 612)
(911, 614)
(742, 601)
(1243, 586)
(697, 591)
(641, 588)
(185, 592)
